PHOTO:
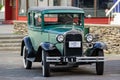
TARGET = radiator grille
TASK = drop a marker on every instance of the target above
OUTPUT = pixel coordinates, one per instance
(74, 51)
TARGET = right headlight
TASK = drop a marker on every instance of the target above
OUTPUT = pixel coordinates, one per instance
(89, 37)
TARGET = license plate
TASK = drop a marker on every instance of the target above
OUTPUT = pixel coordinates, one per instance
(74, 44)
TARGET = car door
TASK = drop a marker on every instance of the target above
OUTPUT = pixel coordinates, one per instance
(36, 31)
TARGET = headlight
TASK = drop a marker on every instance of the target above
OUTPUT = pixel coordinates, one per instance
(89, 38)
(60, 38)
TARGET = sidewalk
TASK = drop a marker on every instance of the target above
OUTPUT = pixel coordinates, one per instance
(6, 29)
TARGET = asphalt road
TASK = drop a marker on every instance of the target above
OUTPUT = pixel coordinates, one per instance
(11, 68)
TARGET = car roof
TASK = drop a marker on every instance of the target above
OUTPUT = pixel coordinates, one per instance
(57, 9)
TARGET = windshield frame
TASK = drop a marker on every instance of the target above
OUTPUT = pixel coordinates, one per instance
(79, 16)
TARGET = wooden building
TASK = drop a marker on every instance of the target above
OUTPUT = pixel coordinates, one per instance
(94, 9)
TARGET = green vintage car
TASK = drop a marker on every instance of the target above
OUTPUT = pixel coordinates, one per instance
(56, 35)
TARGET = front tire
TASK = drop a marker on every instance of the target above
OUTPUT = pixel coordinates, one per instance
(45, 65)
(27, 64)
(100, 65)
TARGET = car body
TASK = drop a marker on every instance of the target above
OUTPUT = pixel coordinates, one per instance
(56, 35)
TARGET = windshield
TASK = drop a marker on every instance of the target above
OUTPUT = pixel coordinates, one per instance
(63, 19)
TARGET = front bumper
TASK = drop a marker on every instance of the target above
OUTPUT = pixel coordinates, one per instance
(75, 59)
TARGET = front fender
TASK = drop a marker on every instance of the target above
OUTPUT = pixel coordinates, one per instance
(47, 46)
(99, 45)
(27, 43)
(96, 47)
(50, 48)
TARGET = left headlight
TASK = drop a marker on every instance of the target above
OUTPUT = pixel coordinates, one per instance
(89, 38)
(60, 38)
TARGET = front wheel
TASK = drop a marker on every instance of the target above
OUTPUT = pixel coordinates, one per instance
(27, 64)
(45, 65)
(100, 65)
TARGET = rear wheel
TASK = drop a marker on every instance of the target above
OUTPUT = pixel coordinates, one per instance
(100, 65)
(45, 65)
(27, 64)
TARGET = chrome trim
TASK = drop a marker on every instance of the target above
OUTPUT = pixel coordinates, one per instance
(53, 59)
(75, 59)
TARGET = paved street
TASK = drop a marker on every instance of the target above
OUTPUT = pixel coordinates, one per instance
(11, 68)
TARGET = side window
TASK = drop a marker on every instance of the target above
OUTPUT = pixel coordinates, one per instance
(37, 19)
(30, 18)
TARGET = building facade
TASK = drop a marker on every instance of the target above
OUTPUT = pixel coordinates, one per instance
(95, 10)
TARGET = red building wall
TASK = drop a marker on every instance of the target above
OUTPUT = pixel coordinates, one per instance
(96, 20)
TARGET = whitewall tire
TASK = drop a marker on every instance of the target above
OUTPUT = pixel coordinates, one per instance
(27, 64)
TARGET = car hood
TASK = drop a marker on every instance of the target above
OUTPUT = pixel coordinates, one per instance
(59, 30)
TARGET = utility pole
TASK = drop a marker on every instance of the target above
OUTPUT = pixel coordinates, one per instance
(95, 8)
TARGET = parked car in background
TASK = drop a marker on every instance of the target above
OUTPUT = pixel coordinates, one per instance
(57, 36)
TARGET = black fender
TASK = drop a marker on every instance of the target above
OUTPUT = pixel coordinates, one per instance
(50, 48)
(99, 45)
(47, 46)
(96, 47)
(27, 43)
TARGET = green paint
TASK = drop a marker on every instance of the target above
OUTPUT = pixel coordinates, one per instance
(44, 33)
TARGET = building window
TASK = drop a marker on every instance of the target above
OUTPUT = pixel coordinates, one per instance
(56, 2)
(2, 2)
(22, 7)
(87, 5)
(103, 5)
(32, 3)
(94, 8)
(25, 4)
